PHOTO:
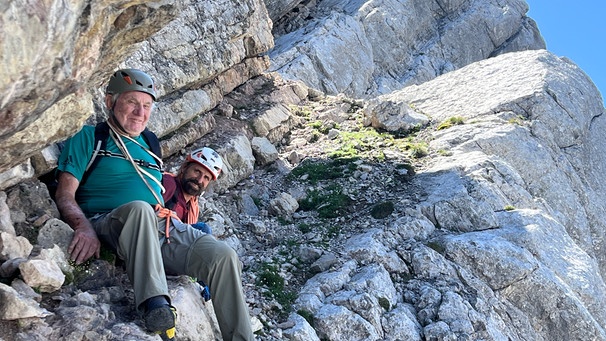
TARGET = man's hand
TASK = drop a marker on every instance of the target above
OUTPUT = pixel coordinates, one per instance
(84, 245)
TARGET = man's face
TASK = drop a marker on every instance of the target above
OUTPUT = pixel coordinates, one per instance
(195, 178)
(132, 110)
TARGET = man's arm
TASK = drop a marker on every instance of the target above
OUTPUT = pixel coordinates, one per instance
(85, 243)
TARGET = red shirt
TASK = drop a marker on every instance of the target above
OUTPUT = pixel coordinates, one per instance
(187, 211)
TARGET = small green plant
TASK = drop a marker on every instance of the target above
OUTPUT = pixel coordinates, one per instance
(308, 316)
(418, 150)
(69, 278)
(320, 126)
(439, 248)
(292, 242)
(382, 210)
(509, 208)
(335, 205)
(283, 221)
(346, 151)
(83, 270)
(301, 111)
(312, 200)
(362, 141)
(452, 121)
(330, 203)
(518, 120)
(80, 271)
(270, 278)
(316, 124)
(107, 255)
(333, 231)
(444, 152)
(304, 228)
(384, 303)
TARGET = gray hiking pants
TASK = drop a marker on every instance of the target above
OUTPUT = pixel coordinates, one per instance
(137, 235)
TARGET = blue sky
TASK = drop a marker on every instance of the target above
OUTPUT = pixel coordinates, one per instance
(575, 29)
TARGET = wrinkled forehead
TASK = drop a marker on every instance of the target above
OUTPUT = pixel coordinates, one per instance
(138, 96)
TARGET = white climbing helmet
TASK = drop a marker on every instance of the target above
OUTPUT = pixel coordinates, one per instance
(208, 158)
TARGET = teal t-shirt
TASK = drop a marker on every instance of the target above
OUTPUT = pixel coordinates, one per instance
(114, 181)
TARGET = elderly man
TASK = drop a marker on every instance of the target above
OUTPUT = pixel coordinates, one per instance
(118, 201)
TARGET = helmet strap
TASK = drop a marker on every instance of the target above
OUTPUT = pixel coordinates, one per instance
(114, 122)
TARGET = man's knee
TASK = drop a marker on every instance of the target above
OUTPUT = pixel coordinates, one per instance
(135, 216)
(226, 252)
(218, 251)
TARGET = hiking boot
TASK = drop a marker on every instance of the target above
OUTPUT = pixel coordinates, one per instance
(162, 321)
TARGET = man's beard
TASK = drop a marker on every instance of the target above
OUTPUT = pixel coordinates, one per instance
(192, 187)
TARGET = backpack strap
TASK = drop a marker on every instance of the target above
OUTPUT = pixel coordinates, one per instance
(171, 191)
(101, 137)
(152, 141)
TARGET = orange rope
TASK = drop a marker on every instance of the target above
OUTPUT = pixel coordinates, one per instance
(163, 212)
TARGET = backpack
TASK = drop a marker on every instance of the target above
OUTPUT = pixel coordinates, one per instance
(172, 194)
(101, 137)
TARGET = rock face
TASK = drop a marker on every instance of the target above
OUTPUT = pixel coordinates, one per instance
(521, 142)
(54, 52)
(365, 48)
(61, 57)
(461, 200)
